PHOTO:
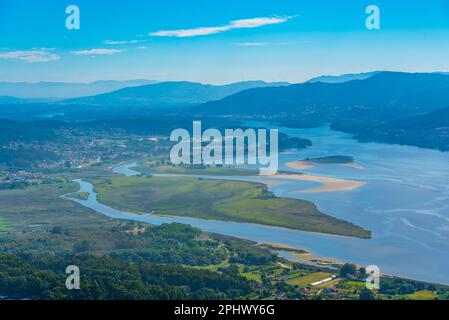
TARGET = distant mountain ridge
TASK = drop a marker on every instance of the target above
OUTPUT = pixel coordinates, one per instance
(391, 107)
(385, 95)
(344, 77)
(64, 90)
(353, 76)
(11, 100)
(180, 93)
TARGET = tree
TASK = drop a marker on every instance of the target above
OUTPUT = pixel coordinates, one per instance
(366, 295)
(362, 271)
(82, 246)
(56, 230)
(348, 269)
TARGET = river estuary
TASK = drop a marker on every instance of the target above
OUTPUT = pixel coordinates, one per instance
(405, 203)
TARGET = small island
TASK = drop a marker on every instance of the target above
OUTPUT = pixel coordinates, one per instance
(307, 163)
(287, 143)
(332, 160)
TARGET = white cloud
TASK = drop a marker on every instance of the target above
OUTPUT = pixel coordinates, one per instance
(118, 42)
(236, 24)
(96, 52)
(30, 55)
(44, 49)
(257, 22)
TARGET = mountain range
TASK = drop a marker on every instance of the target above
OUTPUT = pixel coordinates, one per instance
(392, 107)
(383, 96)
(344, 78)
(11, 100)
(52, 91)
(352, 76)
(163, 94)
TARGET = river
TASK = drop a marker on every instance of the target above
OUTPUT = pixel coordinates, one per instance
(405, 203)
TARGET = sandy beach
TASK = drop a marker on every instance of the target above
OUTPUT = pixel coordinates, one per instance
(299, 165)
(328, 184)
(300, 253)
(277, 246)
(308, 256)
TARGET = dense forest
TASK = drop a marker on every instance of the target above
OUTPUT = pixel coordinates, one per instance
(127, 261)
(38, 277)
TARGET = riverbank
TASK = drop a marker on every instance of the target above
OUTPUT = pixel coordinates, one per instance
(327, 184)
(401, 193)
(214, 199)
(342, 248)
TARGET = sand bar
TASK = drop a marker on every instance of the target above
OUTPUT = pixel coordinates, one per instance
(277, 246)
(299, 165)
(308, 256)
(328, 184)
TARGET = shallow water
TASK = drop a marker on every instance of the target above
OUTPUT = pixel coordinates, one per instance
(405, 204)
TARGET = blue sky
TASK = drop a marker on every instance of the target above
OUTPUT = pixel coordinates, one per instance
(218, 41)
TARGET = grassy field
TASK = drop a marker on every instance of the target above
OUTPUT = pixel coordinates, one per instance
(188, 170)
(218, 200)
(308, 279)
(80, 195)
(423, 295)
(4, 225)
(41, 207)
(252, 276)
(356, 284)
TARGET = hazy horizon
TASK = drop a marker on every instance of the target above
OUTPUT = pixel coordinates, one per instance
(221, 83)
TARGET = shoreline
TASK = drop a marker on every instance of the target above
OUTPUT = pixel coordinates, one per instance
(278, 246)
(311, 257)
(327, 184)
(299, 165)
(304, 242)
(302, 254)
(307, 165)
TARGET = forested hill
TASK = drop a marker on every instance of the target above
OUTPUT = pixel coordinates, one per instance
(382, 96)
(427, 131)
(389, 107)
(181, 93)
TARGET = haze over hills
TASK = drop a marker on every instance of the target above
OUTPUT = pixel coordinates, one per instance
(64, 90)
(383, 96)
(389, 107)
(352, 76)
(11, 100)
(181, 93)
(344, 77)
